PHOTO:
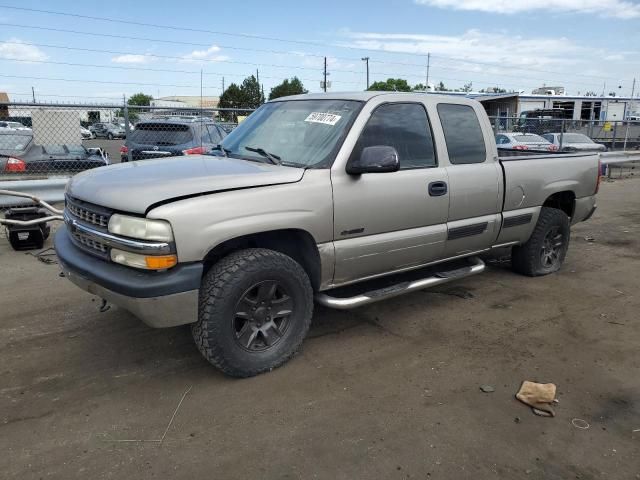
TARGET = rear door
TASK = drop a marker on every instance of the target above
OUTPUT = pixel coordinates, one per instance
(386, 222)
(475, 181)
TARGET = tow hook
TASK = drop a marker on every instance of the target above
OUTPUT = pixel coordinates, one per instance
(104, 306)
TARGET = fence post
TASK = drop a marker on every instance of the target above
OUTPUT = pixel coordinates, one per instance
(126, 128)
(613, 140)
(495, 126)
(561, 135)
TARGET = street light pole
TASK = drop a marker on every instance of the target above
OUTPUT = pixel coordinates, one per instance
(325, 75)
(366, 60)
(428, 66)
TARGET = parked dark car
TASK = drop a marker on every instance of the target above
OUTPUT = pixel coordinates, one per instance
(107, 130)
(541, 121)
(170, 137)
(19, 155)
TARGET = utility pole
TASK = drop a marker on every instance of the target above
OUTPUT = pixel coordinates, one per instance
(428, 66)
(222, 84)
(257, 76)
(33, 92)
(324, 84)
(366, 60)
(626, 133)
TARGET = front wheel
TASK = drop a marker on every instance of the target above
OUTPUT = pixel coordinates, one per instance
(547, 247)
(110, 136)
(255, 310)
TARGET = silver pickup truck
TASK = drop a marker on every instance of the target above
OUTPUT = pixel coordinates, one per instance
(342, 198)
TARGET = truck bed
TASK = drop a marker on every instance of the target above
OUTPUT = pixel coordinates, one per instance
(530, 179)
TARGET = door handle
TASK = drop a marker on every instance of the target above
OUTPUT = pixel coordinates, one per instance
(437, 189)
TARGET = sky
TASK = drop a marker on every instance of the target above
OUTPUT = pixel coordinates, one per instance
(75, 52)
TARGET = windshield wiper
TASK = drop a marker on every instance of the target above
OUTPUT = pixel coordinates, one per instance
(219, 147)
(275, 159)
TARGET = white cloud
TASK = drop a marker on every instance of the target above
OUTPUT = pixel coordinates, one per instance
(607, 8)
(511, 61)
(210, 54)
(16, 49)
(132, 58)
(504, 49)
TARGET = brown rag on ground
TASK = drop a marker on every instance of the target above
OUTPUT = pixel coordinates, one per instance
(538, 395)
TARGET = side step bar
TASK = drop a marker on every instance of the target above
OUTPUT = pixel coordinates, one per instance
(346, 303)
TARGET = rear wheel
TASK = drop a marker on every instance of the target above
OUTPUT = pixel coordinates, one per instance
(110, 136)
(255, 310)
(547, 247)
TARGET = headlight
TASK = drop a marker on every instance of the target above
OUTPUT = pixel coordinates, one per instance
(142, 228)
(148, 262)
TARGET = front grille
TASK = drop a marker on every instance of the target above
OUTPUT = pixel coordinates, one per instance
(89, 244)
(87, 212)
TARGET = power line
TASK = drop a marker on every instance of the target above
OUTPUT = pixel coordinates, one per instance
(62, 96)
(57, 79)
(146, 69)
(118, 52)
(160, 40)
(269, 38)
(170, 57)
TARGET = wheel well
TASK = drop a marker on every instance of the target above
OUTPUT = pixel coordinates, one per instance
(565, 201)
(298, 244)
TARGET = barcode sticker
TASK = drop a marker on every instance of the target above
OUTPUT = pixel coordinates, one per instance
(326, 118)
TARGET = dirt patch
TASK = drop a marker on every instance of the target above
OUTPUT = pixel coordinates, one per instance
(387, 391)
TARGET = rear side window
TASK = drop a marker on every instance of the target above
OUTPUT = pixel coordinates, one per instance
(161, 134)
(403, 126)
(462, 133)
(14, 142)
(214, 134)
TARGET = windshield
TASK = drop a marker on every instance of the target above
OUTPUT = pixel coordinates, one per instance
(14, 142)
(300, 132)
(575, 138)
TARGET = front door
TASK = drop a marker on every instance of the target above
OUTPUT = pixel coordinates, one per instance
(391, 221)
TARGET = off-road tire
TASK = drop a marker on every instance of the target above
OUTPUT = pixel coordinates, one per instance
(527, 258)
(224, 285)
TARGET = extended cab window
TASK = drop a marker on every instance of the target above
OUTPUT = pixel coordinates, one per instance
(462, 133)
(403, 126)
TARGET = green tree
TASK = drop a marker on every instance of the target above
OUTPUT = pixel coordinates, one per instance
(467, 87)
(441, 88)
(232, 97)
(140, 100)
(251, 92)
(293, 87)
(391, 85)
(420, 87)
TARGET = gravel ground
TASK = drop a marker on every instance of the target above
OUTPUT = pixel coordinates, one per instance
(387, 391)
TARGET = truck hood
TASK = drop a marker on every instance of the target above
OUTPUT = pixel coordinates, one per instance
(135, 186)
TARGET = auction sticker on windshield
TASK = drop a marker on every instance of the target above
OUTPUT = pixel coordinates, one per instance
(326, 118)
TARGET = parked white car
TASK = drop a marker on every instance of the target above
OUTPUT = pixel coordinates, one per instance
(574, 142)
(13, 126)
(85, 133)
(523, 141)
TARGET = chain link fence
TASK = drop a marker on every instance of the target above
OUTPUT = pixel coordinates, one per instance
(614, 135)
(43, 145)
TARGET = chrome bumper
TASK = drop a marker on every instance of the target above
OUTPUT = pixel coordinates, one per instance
(158, 312)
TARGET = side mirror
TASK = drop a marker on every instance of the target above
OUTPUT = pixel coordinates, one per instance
(375, 159)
